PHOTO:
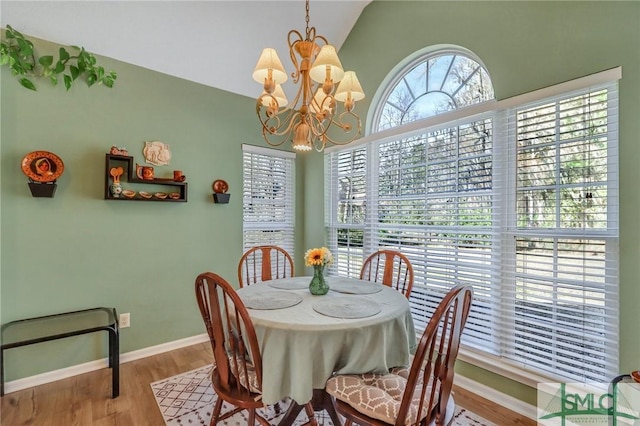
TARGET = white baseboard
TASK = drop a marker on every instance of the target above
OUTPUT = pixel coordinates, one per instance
(472, 386)
(507, 401)
(74, 370)
(165, 347)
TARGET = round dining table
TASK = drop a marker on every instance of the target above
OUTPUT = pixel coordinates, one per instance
(357, 327)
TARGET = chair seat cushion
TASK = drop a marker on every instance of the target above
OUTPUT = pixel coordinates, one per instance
(376, 395)
(240, 375)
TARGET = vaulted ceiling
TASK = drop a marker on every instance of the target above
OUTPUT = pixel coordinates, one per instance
(215, 43)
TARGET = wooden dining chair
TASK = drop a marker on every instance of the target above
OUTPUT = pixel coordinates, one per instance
(416, 395)
(237, 371)
(264, 263)
(391, 268)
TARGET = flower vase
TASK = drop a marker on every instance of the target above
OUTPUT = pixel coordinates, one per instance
(318, 285)
(116, 190)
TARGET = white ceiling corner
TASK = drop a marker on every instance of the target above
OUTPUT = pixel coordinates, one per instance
(215, 43)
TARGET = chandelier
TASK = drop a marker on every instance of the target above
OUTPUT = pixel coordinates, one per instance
(312, 119)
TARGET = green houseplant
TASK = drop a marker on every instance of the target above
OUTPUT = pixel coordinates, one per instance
(17, 52)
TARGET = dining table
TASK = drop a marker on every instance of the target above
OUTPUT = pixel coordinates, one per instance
(357, 327)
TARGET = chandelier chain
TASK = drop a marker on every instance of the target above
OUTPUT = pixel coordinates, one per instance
(307, 19)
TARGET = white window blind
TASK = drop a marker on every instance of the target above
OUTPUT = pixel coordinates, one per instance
(268, 198)
(521, 203)
(562, 297)
(430, 197)
(346, 192)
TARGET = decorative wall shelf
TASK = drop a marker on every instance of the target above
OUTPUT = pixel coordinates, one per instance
(220, 188)
(221, 198)
(132, 183)
(39, 189)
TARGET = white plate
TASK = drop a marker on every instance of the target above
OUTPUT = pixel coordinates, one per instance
(348, 308)
(271, 300)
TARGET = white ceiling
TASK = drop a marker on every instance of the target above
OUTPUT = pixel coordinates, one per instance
(216, 43)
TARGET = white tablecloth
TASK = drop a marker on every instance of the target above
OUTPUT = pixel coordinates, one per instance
(301, 347)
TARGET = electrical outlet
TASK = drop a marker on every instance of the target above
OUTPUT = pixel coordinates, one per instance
(125, 320)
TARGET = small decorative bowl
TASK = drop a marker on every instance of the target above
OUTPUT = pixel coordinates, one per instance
(129, 193)
(144, 194)
(174, 195)
(160, 195)
(635, 375)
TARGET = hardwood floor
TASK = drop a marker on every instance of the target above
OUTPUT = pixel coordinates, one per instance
(85, 399)
(490, 410)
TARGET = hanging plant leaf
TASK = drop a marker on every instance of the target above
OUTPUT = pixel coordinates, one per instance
(59, 67)
(74, 72)
(17, 52)
(91, 79)
(63, 54)
(67, 81)
(46, 61)
(25, 82)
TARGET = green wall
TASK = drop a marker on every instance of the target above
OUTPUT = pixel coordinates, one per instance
(78, 250)
(525, 46)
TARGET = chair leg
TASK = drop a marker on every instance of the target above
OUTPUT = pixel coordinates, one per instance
(331, 409)
(252, 417)
(262, 420)
(216, 412)
(308, 408)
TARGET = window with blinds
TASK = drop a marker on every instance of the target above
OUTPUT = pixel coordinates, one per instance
(268, 198)
(518, 201)
(429, 196)
(562, 235)
(345, 201)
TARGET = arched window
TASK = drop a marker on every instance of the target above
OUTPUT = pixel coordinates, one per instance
(433, 83)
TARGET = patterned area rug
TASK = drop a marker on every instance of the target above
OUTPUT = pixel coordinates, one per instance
(188, 399)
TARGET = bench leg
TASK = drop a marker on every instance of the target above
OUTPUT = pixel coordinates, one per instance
(114, 361)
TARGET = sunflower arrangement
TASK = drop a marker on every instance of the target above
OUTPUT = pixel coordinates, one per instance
(318, 257)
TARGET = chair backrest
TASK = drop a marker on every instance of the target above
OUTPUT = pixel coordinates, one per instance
(391, 268)
(231, 333)
(431, 375)
(264, 263)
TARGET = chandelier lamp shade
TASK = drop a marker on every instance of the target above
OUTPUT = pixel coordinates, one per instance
(313, 118)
